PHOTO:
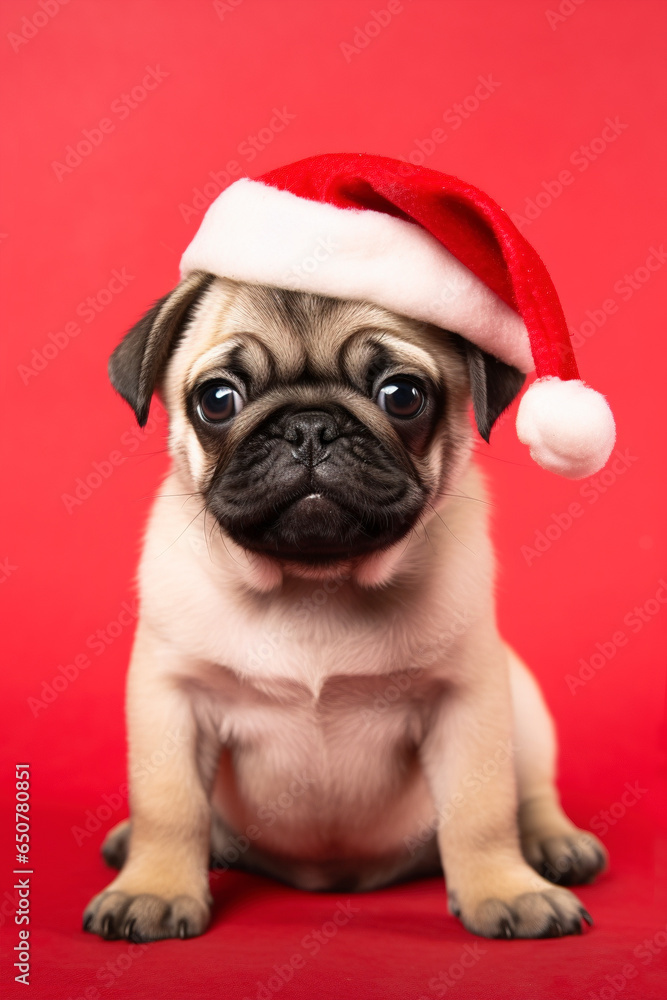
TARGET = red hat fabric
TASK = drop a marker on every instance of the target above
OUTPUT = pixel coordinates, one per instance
(426, 245)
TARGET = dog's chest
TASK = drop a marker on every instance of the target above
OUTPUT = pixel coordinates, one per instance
(309, 767)
(248, 712)
(309, 640)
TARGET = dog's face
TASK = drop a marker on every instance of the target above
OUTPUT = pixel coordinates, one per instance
(316, 430)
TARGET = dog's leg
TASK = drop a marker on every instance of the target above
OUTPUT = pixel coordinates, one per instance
(552, 844)
(116, 845)
(468, 760)
(162, 890)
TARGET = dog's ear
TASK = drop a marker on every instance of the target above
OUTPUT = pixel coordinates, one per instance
(493, 385)
(135, 367)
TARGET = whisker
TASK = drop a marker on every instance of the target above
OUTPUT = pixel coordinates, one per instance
(164, 496)
(182, 532)
(496, 458)
(206, 538)
(422, 522)
(143, 455)
(463, 496)
(448, 528)
(218, 526)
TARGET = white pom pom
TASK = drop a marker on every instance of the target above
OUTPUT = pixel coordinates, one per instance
(568, 427)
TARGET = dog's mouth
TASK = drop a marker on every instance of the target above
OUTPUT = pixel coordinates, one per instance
(318, 528)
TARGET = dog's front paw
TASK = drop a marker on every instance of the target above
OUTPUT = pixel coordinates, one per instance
(572, 859)
(144, 917)
(511, 901)
(549, 913)
(553, 913)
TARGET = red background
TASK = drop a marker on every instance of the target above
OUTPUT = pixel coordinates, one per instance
(66, 574)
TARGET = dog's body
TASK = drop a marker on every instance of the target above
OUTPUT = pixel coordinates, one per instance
(318, 690)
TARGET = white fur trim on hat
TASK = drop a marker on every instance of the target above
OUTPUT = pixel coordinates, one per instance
(258, 233)
(568, 427)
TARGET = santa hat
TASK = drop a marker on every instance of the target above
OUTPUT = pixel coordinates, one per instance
(428, 246)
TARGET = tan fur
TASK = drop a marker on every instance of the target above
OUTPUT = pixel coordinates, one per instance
(380, 685)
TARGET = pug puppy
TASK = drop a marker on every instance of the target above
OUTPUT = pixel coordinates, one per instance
(317, 675)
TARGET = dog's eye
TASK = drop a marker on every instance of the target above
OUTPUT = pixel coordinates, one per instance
(401, 398)
(220, 402)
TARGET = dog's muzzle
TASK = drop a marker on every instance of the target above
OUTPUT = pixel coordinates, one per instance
(314, 485)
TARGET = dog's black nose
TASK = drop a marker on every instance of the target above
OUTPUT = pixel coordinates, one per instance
(309, 432)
